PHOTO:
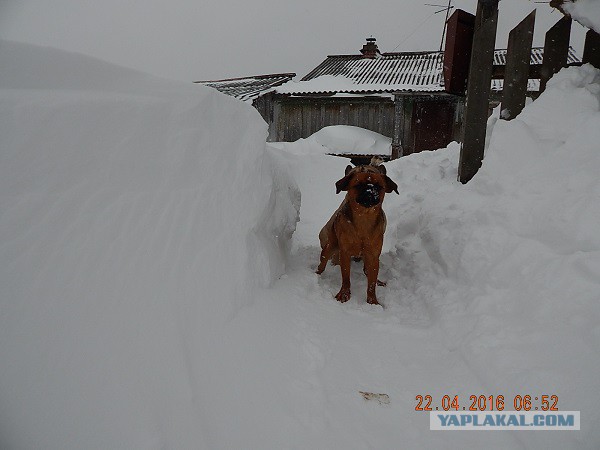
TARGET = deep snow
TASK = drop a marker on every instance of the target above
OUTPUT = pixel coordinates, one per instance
(137, 216)
(144, 235)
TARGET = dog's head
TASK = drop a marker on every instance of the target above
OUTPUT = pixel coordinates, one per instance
(367, 185)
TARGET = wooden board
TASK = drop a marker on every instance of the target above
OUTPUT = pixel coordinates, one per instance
(516, 73)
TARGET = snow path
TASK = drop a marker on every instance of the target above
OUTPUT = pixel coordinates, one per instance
(340, 350)
(437, 334)
(356, 347)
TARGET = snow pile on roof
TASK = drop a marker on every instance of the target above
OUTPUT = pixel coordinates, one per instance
(586, 12)
(136, 217)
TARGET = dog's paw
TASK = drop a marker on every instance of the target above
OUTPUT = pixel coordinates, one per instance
(343, 296)
(321, 267)
(373, 301)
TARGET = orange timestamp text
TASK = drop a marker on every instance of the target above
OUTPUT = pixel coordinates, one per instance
(487, 403)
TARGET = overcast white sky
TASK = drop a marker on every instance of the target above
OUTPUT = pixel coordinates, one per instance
(210, 39)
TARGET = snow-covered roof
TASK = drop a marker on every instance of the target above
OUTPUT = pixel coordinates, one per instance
(390, 72)
(249, 88)
(387, 72)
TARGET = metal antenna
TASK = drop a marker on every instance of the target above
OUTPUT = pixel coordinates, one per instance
(447, 9)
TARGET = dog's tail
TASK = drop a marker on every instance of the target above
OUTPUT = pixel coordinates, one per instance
(376, 161)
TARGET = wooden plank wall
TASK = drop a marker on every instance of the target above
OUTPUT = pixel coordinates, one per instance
(264, 105)
(299, 118)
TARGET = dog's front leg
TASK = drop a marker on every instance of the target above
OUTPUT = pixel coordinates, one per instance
(379, 282)
(344, 294)
(371, 270)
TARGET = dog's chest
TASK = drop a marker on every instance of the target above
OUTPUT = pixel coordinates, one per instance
(361, 231)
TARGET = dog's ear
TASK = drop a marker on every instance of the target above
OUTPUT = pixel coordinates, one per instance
(390, 186)
(348, 169)
(382, 169)
(342, 185)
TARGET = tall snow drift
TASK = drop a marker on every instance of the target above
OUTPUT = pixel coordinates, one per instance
(136, 216)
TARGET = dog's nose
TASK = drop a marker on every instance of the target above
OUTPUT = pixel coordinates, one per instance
(369, 196)
(371, 189)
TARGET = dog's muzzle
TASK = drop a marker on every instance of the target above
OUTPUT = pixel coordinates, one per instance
(368, 195)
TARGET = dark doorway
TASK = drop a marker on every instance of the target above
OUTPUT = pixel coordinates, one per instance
(432, 124)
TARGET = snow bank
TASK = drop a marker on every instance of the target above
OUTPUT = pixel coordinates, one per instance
(137, 216)
(510, 263)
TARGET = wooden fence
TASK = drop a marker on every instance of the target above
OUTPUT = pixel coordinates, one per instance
(516, 74)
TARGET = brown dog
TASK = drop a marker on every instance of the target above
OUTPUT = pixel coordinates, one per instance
(356, 228)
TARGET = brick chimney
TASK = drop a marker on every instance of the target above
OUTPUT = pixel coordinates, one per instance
(370, 49)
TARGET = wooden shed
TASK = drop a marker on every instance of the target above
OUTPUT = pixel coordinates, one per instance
(399, 95)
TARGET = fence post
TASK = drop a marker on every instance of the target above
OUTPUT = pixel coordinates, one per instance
(591, 49)
(398, 118)
(478, 89)
(516, 72)
(556, 50)
(407, 138)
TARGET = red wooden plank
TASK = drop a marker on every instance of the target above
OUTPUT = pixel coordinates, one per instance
(457, 53)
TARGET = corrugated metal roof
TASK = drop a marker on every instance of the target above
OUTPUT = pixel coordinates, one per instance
(388, 72)
(537, 56)
(391, 72)
(249, 88)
